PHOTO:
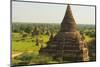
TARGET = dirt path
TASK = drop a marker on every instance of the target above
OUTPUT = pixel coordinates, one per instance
(17, 54)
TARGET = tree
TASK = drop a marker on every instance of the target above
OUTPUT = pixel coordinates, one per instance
(28, 29)
(37, 42)
(51, 37)
(35, 31)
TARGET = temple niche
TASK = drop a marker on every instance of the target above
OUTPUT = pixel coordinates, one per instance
(67, 45)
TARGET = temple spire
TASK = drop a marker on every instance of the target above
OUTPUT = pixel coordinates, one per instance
(68, 24)
(67, 44)
(69, 13)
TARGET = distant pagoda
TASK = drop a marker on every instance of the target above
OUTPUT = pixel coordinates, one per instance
(68, 44)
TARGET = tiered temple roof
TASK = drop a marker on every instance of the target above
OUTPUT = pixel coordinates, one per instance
(67, 44)
(68, 24)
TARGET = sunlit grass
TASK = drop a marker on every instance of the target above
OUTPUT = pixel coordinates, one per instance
(29, 44)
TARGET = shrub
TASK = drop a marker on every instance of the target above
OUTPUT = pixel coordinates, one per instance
(32, 58)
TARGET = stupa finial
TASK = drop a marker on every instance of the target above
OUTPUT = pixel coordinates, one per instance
(68, 24)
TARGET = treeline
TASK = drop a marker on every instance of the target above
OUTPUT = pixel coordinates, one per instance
(47, 28)
(87, 29)
(42, 28)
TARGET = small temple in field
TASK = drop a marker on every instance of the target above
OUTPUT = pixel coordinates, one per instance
(67, 45)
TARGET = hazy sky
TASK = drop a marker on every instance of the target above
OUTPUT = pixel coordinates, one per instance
(50, 13)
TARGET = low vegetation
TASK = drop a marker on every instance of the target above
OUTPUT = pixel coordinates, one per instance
(29, 38)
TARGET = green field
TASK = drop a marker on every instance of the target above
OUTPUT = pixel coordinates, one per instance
(29, 44)
(25, 49)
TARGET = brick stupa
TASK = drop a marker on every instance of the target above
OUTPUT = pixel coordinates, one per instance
(67, 45)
